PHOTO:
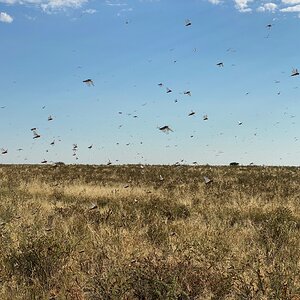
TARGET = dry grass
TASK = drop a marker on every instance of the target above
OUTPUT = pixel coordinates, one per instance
(177, 238)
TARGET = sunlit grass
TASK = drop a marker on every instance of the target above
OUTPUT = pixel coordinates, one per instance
(120, 232)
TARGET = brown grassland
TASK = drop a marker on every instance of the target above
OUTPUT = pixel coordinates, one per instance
(147, 238)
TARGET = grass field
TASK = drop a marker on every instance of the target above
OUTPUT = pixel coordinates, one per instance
(157, 232)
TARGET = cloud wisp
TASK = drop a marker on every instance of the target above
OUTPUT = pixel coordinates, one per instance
(243, 6)
(5, 17)
(48, 5)
(284, 6)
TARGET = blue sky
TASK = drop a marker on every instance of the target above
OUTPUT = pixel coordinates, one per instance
(128, 47)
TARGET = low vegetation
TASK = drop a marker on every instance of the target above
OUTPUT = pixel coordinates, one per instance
(152, 232)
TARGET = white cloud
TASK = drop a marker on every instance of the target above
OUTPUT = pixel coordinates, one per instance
(61, 4)
(291, 1)
(90, 11)
(114, 3)
(5, 18)
(295, 8)
(262, 5)
(242, 5)
(48, 5)
(272, 7)
(214, 1)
